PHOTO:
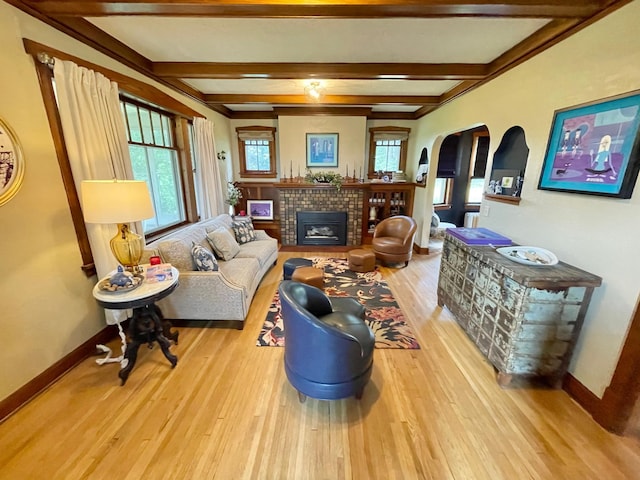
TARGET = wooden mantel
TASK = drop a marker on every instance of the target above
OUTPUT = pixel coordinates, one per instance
(361, 185)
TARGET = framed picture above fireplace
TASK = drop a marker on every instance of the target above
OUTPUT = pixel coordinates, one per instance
(260, 209)
(322, 149)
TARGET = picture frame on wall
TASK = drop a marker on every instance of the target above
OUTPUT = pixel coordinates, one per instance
(260, 209)
(322, 150)
(594, 148)
(11, 163)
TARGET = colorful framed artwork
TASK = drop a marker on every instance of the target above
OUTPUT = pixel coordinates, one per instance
(322, 150)
(594, 149)
(260, 209)
(11, 163)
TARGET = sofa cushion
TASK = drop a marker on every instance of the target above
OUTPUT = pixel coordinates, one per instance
(203, 259)
(242, 272)
(176, 249)
(177, 253)
(244, 232)
(221, 221)
(223, 243)
(261, 250)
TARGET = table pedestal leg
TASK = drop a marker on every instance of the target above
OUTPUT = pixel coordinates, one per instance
(130, 357)
(166, 325)
(146, 327)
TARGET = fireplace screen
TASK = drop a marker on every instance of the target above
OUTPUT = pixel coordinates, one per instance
(321, 228)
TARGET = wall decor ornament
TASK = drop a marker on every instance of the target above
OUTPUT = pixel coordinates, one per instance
(322, 149)
(594, 148)
(11, 163)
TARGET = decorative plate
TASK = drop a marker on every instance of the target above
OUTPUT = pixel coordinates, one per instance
(535, 256)
(106, 286)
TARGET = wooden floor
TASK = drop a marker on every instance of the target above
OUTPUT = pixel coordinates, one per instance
(227, 412)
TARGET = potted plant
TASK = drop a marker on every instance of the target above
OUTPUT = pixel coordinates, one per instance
(234, 194)
(333, 178)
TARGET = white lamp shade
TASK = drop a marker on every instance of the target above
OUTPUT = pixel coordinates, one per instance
(115, 201)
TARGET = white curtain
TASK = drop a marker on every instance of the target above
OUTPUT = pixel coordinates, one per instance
(96, 140)
(210, 187)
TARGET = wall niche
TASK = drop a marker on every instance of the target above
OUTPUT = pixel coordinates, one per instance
(508, 167)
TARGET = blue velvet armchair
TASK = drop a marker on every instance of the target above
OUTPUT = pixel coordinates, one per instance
(328, 353)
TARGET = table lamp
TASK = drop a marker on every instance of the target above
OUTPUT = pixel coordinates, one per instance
(119, 202)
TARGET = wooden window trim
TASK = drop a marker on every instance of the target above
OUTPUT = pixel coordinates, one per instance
(448, 193)
(127, 85)
(372, 147)
(180, 140)
(271, 173)
(133, 89)
(45, 77)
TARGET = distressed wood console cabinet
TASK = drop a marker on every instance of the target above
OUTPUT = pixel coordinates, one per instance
(524, 319)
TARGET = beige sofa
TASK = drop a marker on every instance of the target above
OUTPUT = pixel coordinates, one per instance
(222, 295)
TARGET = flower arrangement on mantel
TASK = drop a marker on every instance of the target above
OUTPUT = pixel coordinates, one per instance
(333, 178)
(234, 194)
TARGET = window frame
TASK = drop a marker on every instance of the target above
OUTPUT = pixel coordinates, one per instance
(373, 131)
(448, 192)
(472, 166)
(143, 92)
(184, 162)
(259, 129)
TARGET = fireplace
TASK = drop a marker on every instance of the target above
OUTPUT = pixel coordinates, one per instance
(321, 228)
(309, 197)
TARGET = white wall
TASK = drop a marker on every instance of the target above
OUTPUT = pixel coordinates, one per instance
(597, 234)
(352, 136)
(47, 307)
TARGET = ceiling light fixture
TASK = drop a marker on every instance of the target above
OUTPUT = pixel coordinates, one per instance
(314, 90)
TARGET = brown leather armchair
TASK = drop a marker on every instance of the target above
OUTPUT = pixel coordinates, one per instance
(393, 239)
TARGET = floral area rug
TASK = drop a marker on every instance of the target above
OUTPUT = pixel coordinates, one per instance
(383, 315)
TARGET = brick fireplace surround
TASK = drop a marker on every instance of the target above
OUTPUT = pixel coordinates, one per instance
(320, 198)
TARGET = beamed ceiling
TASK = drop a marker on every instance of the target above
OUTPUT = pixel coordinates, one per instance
(386, 59)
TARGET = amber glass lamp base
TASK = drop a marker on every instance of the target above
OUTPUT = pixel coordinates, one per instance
(127, 247)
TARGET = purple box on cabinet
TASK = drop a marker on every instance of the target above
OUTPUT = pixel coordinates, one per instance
(479, 236)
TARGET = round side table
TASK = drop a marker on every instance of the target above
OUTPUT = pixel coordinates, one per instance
(147, 324)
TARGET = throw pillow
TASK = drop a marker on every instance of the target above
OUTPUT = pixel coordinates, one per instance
(203, 258)
(223, 243)
(243, 231)
(176, 252)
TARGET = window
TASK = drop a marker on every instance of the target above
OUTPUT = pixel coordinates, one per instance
(256, 146)
(476, 189)
(155, 159)
(387, 149)
(387, 155)
(479, 155)
(442, 191)
(127, 84)
(446, 170)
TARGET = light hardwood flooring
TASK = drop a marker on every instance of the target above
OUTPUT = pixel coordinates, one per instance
(227, 412)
